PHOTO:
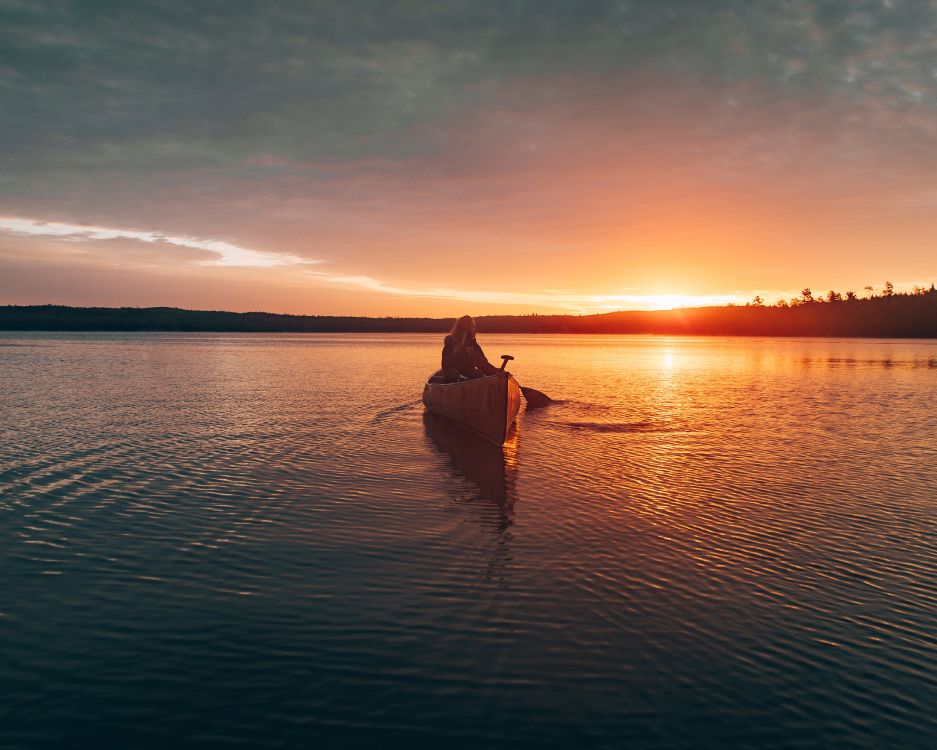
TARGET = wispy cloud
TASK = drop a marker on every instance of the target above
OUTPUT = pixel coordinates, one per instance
(231, 255)
(560, 300)
(227, 253)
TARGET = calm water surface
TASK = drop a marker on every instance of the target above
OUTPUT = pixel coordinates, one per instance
(222, 540)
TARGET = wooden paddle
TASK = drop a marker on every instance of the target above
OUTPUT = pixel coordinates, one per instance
(535, 398)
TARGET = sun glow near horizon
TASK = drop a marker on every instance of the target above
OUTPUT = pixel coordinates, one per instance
(265, 265)
(676, 301)
(272, 266)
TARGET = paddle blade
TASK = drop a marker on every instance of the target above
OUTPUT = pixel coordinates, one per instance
(535, 399)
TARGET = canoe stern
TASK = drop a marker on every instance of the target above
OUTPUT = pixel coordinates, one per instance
(486, 406)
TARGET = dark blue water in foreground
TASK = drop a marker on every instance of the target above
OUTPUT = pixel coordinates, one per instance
(260, 541)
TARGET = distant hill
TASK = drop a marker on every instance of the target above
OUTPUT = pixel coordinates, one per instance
(891, 315)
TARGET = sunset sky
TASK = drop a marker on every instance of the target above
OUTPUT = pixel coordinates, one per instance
(437, 158)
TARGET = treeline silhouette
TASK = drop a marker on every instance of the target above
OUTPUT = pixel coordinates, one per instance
(64, 318)
(888, 315)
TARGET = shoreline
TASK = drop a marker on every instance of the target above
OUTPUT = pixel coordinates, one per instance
(902, 316)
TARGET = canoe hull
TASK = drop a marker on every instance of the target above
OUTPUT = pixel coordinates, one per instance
(486, 406)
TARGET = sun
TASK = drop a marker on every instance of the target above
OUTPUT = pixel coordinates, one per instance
(600, 303)
(670, 301)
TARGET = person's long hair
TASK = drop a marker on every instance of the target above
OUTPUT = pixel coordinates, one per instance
(461, 333)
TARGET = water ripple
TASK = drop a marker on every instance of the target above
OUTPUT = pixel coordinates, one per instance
(217, 541)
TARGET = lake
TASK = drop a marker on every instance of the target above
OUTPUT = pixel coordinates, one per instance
(219, 540)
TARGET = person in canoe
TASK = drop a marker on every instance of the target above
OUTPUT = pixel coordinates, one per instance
(462, 356)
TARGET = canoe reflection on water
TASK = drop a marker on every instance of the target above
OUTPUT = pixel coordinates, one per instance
(492, 469)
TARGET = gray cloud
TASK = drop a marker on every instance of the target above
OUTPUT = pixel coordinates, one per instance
(151, 86)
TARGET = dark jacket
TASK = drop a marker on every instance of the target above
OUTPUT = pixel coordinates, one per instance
(469, 362)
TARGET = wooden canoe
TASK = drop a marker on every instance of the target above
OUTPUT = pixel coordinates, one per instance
(486, 406)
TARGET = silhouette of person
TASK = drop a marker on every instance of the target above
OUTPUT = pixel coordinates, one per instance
(462, 356)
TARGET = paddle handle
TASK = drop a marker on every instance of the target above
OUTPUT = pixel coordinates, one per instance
(505, 358)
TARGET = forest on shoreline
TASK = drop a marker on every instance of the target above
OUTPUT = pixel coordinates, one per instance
(888, 315)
